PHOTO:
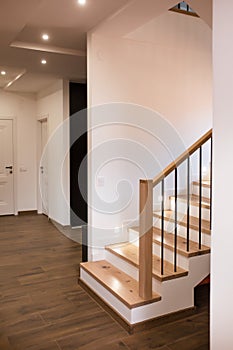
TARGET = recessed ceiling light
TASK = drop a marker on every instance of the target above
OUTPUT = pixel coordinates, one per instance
(82, 2)
(45, 37)
(3, 72)
(43, 61)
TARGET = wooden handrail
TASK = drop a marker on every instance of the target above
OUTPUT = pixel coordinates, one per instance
(182, 158)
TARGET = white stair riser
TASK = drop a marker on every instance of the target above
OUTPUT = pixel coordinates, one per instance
(194, 210)
(205, 191)
(182, 261)
(182, 232)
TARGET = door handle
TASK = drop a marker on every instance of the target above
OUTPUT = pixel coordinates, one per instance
(9, 167)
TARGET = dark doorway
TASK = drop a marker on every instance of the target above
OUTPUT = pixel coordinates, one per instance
(78, 161)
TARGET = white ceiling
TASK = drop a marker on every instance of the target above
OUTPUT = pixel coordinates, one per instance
(22, 23)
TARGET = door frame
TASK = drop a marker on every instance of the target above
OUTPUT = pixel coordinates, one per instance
(15, 170)
(40, 120)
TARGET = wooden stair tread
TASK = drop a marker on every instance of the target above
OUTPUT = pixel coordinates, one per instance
(181, 244)
(182, 220)
(194, 200)
(121, 285)
(205, 183)
(130, 253)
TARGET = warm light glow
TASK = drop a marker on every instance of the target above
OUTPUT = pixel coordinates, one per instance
(116, 284)
(3, 72)
(82, 2)
(43, 61)
(45, 37)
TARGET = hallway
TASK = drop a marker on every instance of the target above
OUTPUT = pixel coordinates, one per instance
(43, 308)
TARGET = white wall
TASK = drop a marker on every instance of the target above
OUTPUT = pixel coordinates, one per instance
(165, 65)
(52, 103)
(23, 108)
(222, 238)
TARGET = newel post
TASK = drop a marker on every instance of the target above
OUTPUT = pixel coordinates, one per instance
(145, 238)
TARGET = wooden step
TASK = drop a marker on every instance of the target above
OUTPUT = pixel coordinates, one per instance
(205, 183)
(130, 253)
(194, 200)
(181, 244)
(182, 220)
(121, 285)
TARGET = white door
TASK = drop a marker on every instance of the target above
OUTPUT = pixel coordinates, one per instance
(44, 168)
(6, 168)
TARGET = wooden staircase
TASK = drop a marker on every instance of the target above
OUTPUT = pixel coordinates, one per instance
(154, 273)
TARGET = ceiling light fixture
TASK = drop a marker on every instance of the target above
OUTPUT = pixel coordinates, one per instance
(43, 61)
(3, 72)
(82, 2)
(45, 37)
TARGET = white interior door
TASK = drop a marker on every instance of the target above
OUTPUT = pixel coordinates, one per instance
(44, 168)
(6, 168)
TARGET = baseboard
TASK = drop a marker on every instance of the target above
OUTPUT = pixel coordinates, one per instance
(138, 327)
(28, 212)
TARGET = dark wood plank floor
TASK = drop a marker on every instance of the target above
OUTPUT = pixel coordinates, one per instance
(43, 308)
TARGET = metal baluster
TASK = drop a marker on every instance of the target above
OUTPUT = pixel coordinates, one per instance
(188, 202)
(211, 179)
(200, 196)
(162, 228)
(175, 242)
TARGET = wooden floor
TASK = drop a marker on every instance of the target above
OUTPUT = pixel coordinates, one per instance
(43, 308)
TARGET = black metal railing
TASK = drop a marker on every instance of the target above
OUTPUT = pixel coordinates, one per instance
(200, 196)
(160, 179)
(162, 227)
(211, 179)
(188, 202)
(176, 212)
